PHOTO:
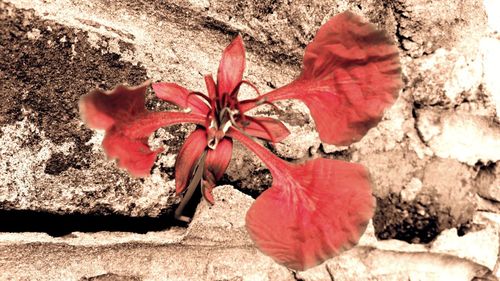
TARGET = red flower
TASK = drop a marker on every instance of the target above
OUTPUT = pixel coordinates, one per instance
(313, 210)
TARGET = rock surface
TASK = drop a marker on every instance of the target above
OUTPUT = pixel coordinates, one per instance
(433, 158)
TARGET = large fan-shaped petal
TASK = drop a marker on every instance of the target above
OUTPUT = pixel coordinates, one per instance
(101, 109)
(313, 210)
(351, 73)
(128, 125)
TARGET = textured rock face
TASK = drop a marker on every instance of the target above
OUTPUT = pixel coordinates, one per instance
(433, 158)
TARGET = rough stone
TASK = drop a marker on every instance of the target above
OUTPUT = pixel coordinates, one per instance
(366, 263)
(214, 247)
(480, 246)
(424, 27)
(223, 222)
(136, 261)
(491, 6)
(411, 190)
(465, 137)
(429, 156)
(491, 59)
(488, 182)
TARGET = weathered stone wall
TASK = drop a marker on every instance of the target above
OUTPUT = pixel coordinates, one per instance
(433, 159)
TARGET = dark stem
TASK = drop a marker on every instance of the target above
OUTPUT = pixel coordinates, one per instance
(193, 184)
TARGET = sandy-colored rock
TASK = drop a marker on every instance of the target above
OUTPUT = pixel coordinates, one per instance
(411, 190)
(492, 7)
(480, 246)
(140, 261)
(214, 247)
(428, 157)
(465, 137)
(221, 223)
(450, 257)
(365, 263)
(488, 183)
(491, 59)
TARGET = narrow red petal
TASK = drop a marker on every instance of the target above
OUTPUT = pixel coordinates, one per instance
(351, 73)
(231, 66)
(211, 88)
(187, 158)
(313, 210)
(275, 130)
(207, 189)
(128, 125)
(218, 160)
(180, 96)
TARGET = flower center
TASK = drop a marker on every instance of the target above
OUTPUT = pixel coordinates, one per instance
(225, 111)
(222, 120)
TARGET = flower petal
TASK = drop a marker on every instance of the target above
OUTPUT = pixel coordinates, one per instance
(215, 165)
(187, 158)
(313, 210)
(181, 97)
(351, 73)
(211, 88)
(216, 161)
(101, 110)
(266, 128)
(134, 155)
(128, 125)
(231, 66)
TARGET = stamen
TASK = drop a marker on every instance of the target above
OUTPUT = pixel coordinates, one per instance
(275, 107)
(236, 90)
(193, 184)
(201, 95)
(212, 143)
(273, 140)
(222, 114)
(262, 101)
(226, 123)
(211, 135)
(208, 121)
(214, 107)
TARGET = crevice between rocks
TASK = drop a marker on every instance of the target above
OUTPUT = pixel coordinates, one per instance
(398, 10)
(57, 225)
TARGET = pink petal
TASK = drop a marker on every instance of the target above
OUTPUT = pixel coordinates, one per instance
(215, 165)
(134, 155)
(269, 129)
(313, 210)
(216, 161)
(211, 88)
(128, 125)
(101, 110)
(179, 96)
(231, 66)
(187, 158)
(351, 74)
(207, 192)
